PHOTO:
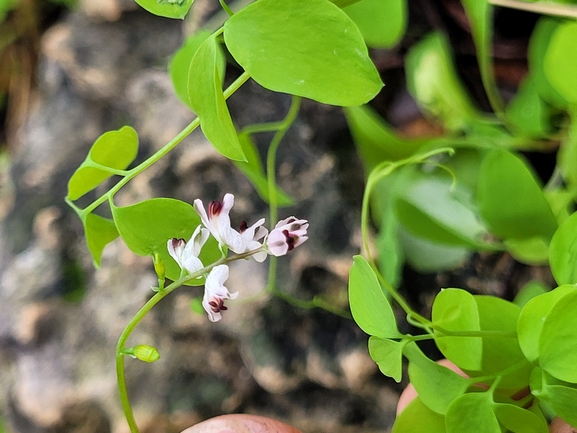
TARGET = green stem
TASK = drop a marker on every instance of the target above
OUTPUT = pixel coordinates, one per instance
(381, 171)
(120, 346)
(283, 127)
(226, 8)
(161, 152)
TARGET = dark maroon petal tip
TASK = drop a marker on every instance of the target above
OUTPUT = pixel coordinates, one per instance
(214, 208)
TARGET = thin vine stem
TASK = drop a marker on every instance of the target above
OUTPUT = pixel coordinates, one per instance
(378, 173)
(137, 318)
(130, 174)
(283, 127)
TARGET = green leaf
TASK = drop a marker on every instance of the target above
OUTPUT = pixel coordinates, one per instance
(436, 385)
(428, 207)
(166, 8)
(388, 355)
(433, 82)
(369, 305)
(536, 51)
(510, 198)
(519, 420)
(180, 64)
(114, 150)
(456, 310)
(533, 316)
(531, 251)
(530, 290)
(528, 112)
(472, 413)
(376, 141)
(502, 352)
(480, 13)
(319, 54)
(207, 100)
(381, 22)
(147, 226)
(98, 232)
(419, 418)
(558, 339)
(254, 171)
(563, 252)
(426, 256)
(560, 62)
(560, 396)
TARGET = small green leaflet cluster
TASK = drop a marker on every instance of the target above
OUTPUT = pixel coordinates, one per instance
(319, 54)
(487, 197)
(521, 361)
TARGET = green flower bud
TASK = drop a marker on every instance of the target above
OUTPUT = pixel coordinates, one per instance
(159, 267)
(145, 353)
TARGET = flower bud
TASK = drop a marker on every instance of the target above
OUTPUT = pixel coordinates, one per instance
(145, 353)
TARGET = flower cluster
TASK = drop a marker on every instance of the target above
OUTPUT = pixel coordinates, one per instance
(286, 235)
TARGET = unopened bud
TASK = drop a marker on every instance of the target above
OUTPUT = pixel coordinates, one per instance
(159, 269)
(145, 353)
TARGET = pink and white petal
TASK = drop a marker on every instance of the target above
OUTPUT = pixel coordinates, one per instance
(276, 243)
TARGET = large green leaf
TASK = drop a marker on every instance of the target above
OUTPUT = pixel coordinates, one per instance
(480, 13)
(207, 100)
(533, 316)
(381, 22)
(427, 256)
(181, 60)
(502, 352)
(167, 8)
(433, 81)
(309, 48)
(430, 208)
(113, 150)
(528, 112)
(456, 310)
(560, 63)
(563, 252)
(536, 51)
(510, 199)
(558, 339)
(147, 226)
(369, 305)
(436, 385)
(98, 232)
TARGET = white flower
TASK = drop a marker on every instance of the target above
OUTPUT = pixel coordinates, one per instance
(250, 237)
(217, 220)
(215, 293)
(287, 235)
(186, 253)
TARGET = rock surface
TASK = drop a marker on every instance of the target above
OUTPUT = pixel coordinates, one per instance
(103, 67)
